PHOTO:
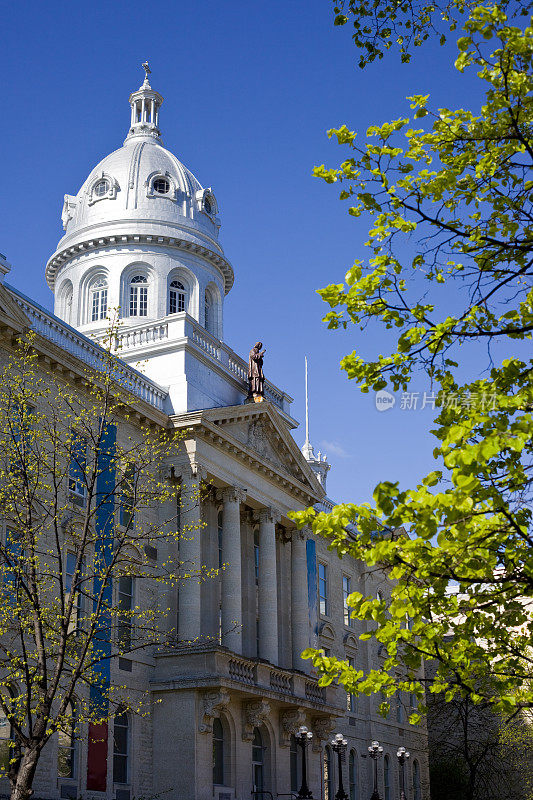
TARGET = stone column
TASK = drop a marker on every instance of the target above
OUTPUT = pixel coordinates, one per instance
(299, 600)
(190, 611)
(231, 575)
(268, 586)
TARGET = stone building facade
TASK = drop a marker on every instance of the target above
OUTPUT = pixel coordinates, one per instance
(141, 236)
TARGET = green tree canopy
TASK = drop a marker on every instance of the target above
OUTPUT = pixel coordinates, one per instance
(450, 265)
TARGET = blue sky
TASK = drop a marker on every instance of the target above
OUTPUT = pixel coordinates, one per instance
(250, 90)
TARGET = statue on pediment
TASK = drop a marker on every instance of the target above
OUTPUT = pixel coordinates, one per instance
(256, 377)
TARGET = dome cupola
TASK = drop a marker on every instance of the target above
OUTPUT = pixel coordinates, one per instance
(145, 105)
(141, 236)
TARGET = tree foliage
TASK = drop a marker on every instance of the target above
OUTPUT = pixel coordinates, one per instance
(381, 25)
(83, 498)
(450, 265)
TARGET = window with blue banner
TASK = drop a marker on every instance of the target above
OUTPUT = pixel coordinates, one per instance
(77, 483)
(14, 564)
(127, 496)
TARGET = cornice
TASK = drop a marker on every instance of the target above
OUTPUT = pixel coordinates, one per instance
(205, 429)
(97, 242)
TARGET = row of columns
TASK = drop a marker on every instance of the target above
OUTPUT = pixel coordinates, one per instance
(189, 622)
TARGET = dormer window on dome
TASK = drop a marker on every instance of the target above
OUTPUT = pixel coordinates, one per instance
(207, 203)
(161, 186)
(103, 187)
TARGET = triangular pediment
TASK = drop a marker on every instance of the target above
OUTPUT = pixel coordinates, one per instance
(10, 311)
(260, 430)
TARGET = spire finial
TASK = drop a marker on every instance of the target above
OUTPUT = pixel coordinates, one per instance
(147, 71)
(306, 406)
(145, 105)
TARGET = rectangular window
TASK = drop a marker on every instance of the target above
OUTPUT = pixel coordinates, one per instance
(127, 496)
(14, 564)
(103, 303)
(346, 592)
(350, 697)
(323, 589)
(220, 533)
(133, 301)
(77, 485)
(95, 308)
(125, 606)
(399, 707)
(70, 569)
(143, 301)
(256, 556)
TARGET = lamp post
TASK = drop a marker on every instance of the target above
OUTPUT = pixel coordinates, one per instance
(303, 737)
(375, 751)
(339, 746)
(403, 755)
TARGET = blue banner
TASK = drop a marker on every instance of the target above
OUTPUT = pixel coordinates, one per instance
(312, 592)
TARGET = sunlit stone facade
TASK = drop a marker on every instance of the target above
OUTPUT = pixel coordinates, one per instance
(141, 236)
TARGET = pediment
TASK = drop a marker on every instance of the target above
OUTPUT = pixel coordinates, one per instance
(260, 430)
(10, 310)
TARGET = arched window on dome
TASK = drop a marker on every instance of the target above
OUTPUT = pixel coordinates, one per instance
(65, 296)
(98, 299)
(208, 312)
(176, 300)
(139, 296)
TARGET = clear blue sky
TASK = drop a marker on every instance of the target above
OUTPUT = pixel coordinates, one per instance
(250, 89)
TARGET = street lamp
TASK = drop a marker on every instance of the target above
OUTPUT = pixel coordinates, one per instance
(375, 751)
(339, 746)
(303, 737)
(403, 755)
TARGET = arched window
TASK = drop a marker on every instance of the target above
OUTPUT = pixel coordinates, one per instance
(258, 762)
(208, 313)
(353, 776)
(66, 750)
(416, 781)
(328, 774)
(121, 747)
(386, 777)
(65, 301)
(138, 296)
(218, 752)
(98, 299)
(176, 301)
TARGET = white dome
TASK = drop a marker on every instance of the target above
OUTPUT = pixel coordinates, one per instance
(141, 192)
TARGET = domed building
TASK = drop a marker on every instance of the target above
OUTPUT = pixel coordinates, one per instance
(229, 691)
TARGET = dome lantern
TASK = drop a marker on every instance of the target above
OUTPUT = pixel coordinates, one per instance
(145, 105)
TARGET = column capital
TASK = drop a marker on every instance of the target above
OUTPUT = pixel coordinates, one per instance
(301, 533)
(268, 514)
(232, 494)
(192, 473)
(246, 515)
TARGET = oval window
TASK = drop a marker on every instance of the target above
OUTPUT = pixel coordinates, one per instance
(161, 186)
(207, 205)
(101, 188)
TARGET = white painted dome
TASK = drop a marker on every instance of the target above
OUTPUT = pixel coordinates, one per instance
(141, 192)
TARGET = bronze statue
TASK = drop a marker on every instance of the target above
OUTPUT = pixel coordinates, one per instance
(256, 377)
